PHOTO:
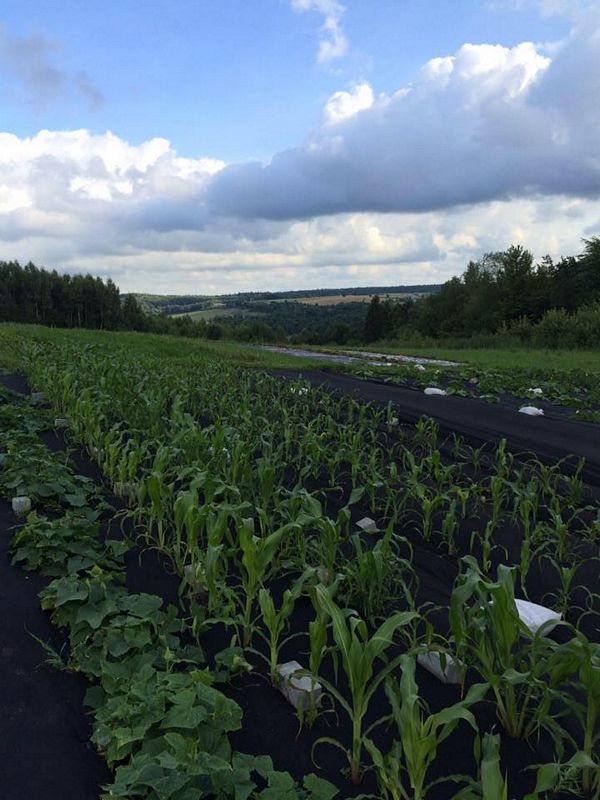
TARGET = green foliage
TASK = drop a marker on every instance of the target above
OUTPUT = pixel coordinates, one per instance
(402, 772)
(29, 469)
(276, 620)
(525, 675)
(233, 475)
(64, 546)
(376, 575)
(358, 653)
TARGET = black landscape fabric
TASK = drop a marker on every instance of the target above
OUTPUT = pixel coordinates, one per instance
(551, 437)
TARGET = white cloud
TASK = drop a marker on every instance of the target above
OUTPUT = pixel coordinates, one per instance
(333, 43)
(77, 201)
(488, 122)
(342, 105)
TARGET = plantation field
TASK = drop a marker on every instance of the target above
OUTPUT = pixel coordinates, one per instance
(209, 313)
(142, 344)
(567, 385)
(216, 521)
(336, 299)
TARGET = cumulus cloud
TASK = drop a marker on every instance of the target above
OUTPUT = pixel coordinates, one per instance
(487, 122)
(342, 105)
(78, 201)
(29, 61)
(332, 40)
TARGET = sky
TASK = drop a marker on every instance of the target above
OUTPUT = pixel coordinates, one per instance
(226, 145)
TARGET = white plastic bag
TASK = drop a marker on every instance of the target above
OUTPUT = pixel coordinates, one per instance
(368, 525)
(21, 505)
(534, 616)
(532, 411)
(300, 690)
(431, 661)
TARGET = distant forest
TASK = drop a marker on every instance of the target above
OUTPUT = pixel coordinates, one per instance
(30, 294)
(504, 296)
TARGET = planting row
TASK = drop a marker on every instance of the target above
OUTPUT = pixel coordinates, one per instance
(574, 393)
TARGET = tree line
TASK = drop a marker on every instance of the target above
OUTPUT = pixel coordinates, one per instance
(29, 294)
(502, 293)
(33, 295)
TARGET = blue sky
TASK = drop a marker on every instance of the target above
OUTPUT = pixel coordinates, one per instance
(236, 79)
(223, 82)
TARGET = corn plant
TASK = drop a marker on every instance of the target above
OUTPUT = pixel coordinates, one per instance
(585, 764)
(359, 654)
(450, 527)
(205, 580)
(426, 433)
(258, 554)
(485, 543)
(276, 621)
(491, 783)
(525, 676)
(376, 575)
(402, 772)
(324, 548)
(428, 507)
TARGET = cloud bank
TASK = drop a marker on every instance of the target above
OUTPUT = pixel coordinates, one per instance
(487, 123)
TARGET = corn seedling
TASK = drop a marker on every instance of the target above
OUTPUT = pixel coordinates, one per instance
(402, 773)
(359, 654)
(276, 621)
(524, 675)
(258, 554)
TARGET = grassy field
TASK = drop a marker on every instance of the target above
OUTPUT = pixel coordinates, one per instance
(320, 300)
(336, 299)
(501, 358)
(253, 356)
(208, 313)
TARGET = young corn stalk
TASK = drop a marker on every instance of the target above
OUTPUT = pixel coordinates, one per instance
(491, 784)
(276, 622)
(402, 773)
(525, 676)
(586, 656)
(324, 548)
(359, 655)
(258, 554)
(375, 575)
(429, 506)
(450, 528)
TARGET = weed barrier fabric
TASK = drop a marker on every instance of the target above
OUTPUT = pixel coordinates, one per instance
(551, 437)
